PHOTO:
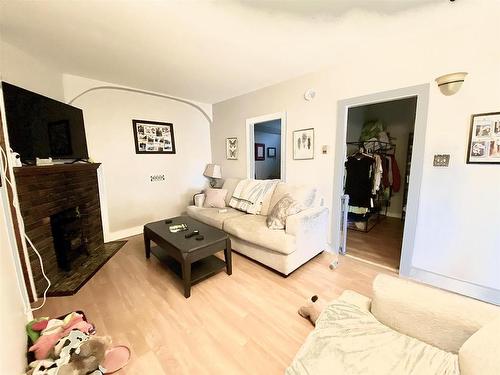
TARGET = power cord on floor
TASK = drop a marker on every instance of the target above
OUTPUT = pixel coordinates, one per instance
(3, 161)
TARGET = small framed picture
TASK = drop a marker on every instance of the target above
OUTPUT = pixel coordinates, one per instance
(303, 144)
(153, 137)
(232, 148)
(484, 139)
(271, 152)
(260, 151)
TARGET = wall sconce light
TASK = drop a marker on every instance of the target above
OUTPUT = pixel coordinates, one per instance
(449, 84)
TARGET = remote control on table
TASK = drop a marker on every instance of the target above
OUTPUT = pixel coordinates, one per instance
(193, 233)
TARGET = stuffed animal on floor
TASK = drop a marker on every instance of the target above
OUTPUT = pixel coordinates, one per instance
(77, 354)
(312, 309)
(88, 358)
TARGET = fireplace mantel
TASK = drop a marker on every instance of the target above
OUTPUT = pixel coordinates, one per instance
(56, 168)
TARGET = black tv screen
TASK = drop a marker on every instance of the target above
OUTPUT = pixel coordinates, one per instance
(42, 127)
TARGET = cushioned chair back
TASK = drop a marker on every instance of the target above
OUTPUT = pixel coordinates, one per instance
(439, 318)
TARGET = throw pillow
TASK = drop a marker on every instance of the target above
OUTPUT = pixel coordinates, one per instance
(215, 198)
(285, 207)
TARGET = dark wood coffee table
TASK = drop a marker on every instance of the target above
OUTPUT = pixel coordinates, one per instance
(191, 259)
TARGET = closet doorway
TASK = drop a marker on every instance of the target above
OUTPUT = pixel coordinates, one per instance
(266, 147)
(375, 133)
(379, 145)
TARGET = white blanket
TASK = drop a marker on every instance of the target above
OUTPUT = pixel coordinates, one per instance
(349, 340)
(249, 195)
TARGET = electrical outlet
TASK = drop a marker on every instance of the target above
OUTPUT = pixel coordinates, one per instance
(157, 177)
(441, 160)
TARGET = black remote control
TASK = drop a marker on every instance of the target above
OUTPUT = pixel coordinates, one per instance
(193, 233)
(168, 221)
(200, 237)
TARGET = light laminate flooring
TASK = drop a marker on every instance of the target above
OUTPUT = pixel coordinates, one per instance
(246, 323)
(381, 245)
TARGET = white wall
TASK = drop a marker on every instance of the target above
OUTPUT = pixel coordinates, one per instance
(13, 348)
(458, 234)
(129, 200)
(24, 70)
(265, 169)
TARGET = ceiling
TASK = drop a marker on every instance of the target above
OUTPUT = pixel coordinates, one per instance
(202, 50)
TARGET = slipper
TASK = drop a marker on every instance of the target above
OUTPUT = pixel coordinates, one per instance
(116, 358)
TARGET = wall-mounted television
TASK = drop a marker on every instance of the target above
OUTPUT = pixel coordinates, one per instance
(42, 127)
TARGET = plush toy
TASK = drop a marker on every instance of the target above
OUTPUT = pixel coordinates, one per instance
(57, 329)
(88, 358)
(312, 309)
(77, 354)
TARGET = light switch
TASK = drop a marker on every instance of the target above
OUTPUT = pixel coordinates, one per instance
(441, 160)
(324, 149)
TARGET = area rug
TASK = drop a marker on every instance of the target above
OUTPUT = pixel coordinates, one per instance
(83, 268)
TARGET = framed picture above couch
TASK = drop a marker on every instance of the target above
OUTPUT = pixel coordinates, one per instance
(232, 148)
(153, 137)
(303, 144)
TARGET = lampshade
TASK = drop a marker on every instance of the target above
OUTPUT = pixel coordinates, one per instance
(449, 84)
(213, 171)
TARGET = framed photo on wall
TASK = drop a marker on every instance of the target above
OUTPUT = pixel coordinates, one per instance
(271, 152)
(152, 137)
(484, 139)
(303, 144)
(260, 151)
(232, 148)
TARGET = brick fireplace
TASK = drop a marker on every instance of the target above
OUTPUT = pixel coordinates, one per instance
(65, 194)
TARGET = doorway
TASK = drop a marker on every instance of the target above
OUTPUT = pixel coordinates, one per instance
(379, 143)
(381, 228)
(266, 147)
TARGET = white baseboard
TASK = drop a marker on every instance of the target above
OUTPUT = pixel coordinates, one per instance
(463, 287)
(124, 233)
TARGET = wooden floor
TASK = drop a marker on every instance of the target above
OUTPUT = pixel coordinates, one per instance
(381, 245)
(246, 323)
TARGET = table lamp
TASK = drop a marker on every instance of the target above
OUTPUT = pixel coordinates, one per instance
(213, 171)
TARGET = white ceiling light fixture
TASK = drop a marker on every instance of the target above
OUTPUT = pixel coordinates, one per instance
(309, 95)
(449, 84)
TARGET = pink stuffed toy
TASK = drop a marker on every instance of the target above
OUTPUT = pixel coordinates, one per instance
(46, 342)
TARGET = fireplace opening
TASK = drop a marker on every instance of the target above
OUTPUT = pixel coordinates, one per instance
(68, 235)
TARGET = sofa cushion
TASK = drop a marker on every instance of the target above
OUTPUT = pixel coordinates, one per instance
(230, 185)
(253, 228)
(305, 195)
(439, 318)
(285, 207)
(348, 339)
(214, 198)
(480, 353)
(212, 216)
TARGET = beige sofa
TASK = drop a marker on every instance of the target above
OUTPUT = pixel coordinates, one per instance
(304, 237)
(407, 328)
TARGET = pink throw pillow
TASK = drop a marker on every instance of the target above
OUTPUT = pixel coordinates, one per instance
(215, 198)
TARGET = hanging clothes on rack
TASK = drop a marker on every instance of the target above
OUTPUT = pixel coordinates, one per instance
(358, 184)
(368, 180)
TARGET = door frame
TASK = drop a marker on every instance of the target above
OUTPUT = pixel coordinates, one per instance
(415, 183)
(250, 123)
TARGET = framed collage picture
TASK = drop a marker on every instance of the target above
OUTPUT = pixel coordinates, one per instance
(484, 139)
(152, 137)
